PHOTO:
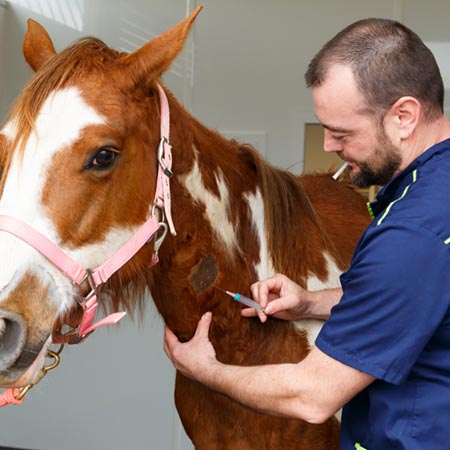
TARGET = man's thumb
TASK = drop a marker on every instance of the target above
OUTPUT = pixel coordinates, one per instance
(204, 324)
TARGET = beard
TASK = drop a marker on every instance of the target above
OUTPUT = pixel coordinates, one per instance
(381, 166)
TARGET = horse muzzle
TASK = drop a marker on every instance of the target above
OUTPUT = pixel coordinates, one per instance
(27, 316)
(13, 333)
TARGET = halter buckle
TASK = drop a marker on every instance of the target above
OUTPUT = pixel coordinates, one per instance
(160, 156)
(87, 278)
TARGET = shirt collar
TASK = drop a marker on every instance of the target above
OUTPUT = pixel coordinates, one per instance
(399, 182)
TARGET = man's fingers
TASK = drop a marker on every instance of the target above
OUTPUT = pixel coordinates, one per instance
(264, 291)
(169, 339)
(204, 323)
(251, 312)
(280, 305)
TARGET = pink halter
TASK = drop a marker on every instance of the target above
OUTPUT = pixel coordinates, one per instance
(99, 275)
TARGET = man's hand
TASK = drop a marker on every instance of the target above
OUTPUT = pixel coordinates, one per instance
(282, 298)
(196, 357)
(279, 297)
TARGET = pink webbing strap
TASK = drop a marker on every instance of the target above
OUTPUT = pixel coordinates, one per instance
(46, 247)
(8, 397)
(65, 263)
(103, 272)
(162, 196)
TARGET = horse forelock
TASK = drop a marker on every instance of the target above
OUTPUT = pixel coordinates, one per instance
(83, 56)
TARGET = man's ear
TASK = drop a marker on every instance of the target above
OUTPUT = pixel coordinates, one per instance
(403, 117)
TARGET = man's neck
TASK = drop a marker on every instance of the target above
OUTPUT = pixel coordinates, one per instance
(425, 136)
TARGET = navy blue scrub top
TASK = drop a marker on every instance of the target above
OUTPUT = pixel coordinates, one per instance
(393, 321)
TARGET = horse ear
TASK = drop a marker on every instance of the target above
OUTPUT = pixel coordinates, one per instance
(155, 57)
(37, 46)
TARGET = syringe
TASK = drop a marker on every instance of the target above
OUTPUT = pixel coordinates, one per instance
(242, 299)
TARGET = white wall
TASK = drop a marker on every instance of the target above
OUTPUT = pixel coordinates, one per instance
(115, 391)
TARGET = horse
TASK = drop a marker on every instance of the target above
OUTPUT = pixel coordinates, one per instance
(104, 197)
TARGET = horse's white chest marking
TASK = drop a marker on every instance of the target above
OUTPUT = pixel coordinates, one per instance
(216, 207)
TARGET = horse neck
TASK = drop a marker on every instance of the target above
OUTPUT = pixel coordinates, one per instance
(227, 202)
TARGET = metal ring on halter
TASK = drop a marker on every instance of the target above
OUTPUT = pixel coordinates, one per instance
(162, 226)
(56, 360)
(87, 278)
(160, 155)
(159, 240)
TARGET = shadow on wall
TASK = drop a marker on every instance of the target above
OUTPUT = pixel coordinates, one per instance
(14, 448)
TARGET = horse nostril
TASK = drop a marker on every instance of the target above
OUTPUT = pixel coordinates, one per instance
(12, 338)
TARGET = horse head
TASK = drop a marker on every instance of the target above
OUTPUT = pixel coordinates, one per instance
(78, 161)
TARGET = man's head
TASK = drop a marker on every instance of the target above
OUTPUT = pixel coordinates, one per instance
(388, 61)
(373, 83)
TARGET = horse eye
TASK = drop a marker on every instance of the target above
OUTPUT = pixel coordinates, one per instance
(103, 159)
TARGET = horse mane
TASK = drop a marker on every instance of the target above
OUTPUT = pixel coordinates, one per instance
(287, 212)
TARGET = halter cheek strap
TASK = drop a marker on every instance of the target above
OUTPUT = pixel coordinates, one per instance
(162, 197)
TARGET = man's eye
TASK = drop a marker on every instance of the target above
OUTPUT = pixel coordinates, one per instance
(103, 159)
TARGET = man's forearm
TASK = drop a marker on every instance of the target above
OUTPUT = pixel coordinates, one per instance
(271, 389)
(321, 302)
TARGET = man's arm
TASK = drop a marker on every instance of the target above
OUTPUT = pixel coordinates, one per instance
(312, 390)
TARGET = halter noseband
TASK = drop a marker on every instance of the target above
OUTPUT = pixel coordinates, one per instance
(99, 275)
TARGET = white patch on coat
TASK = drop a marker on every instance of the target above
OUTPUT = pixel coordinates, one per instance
(314, 284)
(216, 206)
(264, 268)
(59, 123)
(313, 326)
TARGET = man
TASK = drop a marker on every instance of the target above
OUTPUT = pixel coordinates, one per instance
(384, 352)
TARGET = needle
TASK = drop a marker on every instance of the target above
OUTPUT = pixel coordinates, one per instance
(242, 299)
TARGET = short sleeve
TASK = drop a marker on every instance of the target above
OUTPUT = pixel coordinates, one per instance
(396, 293)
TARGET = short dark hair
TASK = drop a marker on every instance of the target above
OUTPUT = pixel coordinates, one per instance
(388, 61)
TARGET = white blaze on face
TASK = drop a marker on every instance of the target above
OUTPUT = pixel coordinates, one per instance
(216, 207)
(59, 123)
